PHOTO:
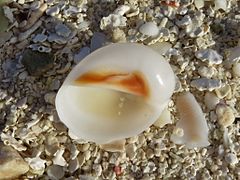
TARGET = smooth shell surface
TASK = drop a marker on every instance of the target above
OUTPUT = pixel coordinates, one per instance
(115, 92)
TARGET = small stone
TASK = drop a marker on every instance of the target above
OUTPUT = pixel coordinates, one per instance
(39, 38)
(98, 40)
(115, 146)
(211, 100)
(223, 91)
(209, 55)
(118, 35)
(225, 115)
(37, 63)
(87, 155)
(206, 84)
(122, 9)
(81, 54)
(207, 72)
(12, 164)
(55, 172)
(112, 21)
(149, 29)
(231, 158)
(233, 54)
(97, 169)
(85, 147)
(81, 159)
(161, 47)
(3, 21)
(73, 165)
(131, 151)
(53, 11)
(4, 36)
(55, 85)
(62, 30)
(150, 153)
(235, 69)
(50, 98)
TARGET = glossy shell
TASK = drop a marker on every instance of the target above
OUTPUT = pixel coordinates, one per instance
(115, 92)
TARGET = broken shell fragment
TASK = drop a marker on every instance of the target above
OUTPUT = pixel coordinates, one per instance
(116, 92)
(191, 129)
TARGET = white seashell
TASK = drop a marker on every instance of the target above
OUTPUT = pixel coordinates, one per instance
(149, 29)
(209, 55)
(112, 109)
(192, 122)
(206, 84)
(9, 140)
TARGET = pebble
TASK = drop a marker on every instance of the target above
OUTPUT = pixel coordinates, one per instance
(131, 151)
(115, 146)
(112, 21)
(207, 72)
(87, 155)
(55, 85)
(97, 169)
(149, 29)
(40, 38)
(233, 54)
(122, 9)
(223, 91)
(210, 56)
(73, 165)
(211, 100)
(97, 41)
(225, 115)
(62, 30)
(9, 160)
(161, 47)
(206, 84)
(4, 37)
(231, 158)
(58, 158)
(81, 159)
(81, 54)
(55, 172)
(53, 11)
(235, 69)
(50, 98)
(36, 163)
(37, 63)
(57, 39)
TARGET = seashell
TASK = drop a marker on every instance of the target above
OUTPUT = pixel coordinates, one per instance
(192, 129)
(114, 146)
(116, 92)
(36, 163)
(206, 84)
(149, 29)
(209, 55)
